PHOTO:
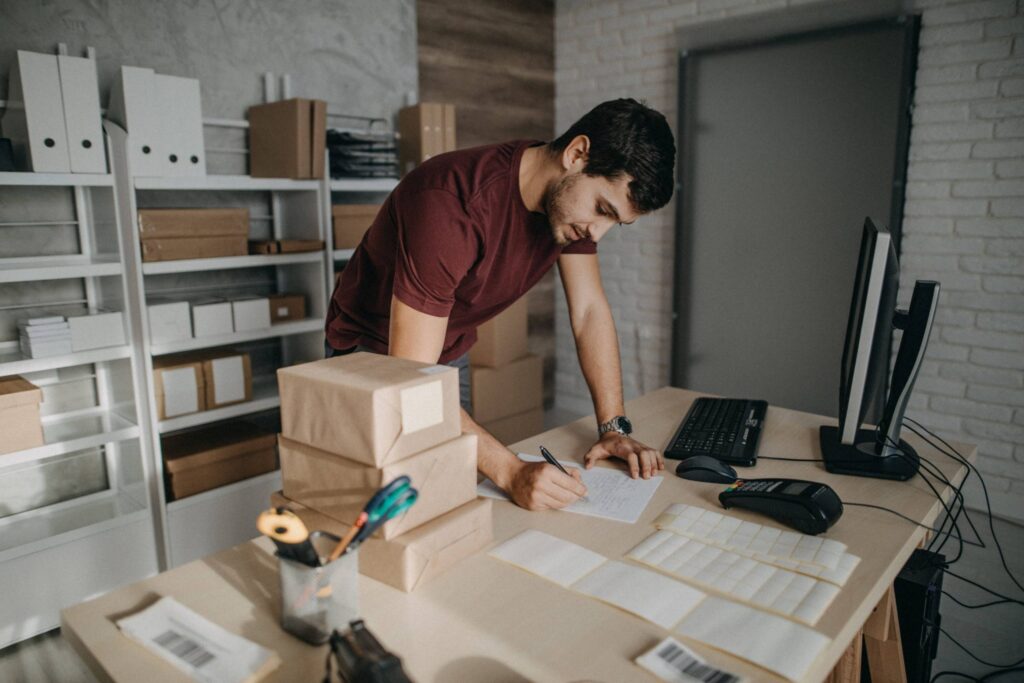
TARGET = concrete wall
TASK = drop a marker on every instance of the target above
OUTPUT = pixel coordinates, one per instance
(964, 215)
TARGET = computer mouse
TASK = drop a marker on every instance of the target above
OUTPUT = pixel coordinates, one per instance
(706, 468)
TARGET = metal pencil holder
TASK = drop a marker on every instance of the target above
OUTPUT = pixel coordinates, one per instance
(317, 600)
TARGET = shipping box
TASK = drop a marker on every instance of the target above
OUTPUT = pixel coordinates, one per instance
(169, 321)
(415, 558)
(96, 329)
(227, 377)
(444, 476)
(350, 222)
(502, 339)
(206, 458)
(511, 389)
(516, 427)
(368, 407)
(287, 307)
(250, 313)
(19, 414)
(288, 139)
(211, 317)
(426, 130)
(178, 248)
(178, 385)
(165, 223)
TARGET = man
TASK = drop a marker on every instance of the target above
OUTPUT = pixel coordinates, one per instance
(467, 233)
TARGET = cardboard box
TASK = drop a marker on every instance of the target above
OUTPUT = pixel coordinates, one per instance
(511, 389)
(415, 558)
(517, 427)
(426, 130)
(284, 246)
(19, 414)
(179, 386)
(288, 139)
(211, 317)
(250, 313)
(204, 459)
(178, 248)
(96, 330)
(169, 322)
(163, 223)
(227, 378)
(370, 408)
(444, 475)
(287, 307)
(350, 222)
(503, 338)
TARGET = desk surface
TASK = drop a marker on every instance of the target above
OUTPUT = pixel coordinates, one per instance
(485, 620)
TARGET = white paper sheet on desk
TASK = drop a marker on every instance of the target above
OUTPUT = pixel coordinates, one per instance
(545, 555)
(656, 598)
(611, 494)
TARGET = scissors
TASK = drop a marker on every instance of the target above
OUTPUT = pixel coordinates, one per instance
(387, 503)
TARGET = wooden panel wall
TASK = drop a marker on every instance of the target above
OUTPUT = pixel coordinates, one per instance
(495, 60)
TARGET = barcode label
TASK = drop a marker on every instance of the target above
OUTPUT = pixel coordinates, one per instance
(185, 649)
(673, 662)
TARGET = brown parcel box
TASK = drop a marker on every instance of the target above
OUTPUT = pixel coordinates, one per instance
(19, 414)
(285, 307)
(179, 248)
(287, 139)
(444, 475)
(164, 364)
(426, 130)
(516, 427)
(508, 390)
(208, 359)
(414, 558)
(206, 458)
(502, 339)
(163, 223)
(370, 408)
(351, 221)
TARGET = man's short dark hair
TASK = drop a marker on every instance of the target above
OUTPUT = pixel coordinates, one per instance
(628, 137)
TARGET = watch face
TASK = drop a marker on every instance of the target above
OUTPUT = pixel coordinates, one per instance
(624, 424)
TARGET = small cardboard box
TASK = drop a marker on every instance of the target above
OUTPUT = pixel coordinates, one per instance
(288, 139)
(227, 377)
(412, 559)
(370, 408)
(96, 330)
(511, 389)
(503, 338)
(427, 129)
(178, 385)
(204, 459)
(350, 222)
(162, 223)
(287, 307)
(211, 317)
(19, 414)
(444, 475)
(169, 321)
(517, 427)
(250, 313)
(178, 248)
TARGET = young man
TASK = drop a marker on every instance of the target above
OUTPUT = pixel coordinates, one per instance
(467, 233)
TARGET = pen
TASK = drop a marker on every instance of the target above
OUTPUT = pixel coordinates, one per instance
(551, 459)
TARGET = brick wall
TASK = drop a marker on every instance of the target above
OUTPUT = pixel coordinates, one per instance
(964, 214)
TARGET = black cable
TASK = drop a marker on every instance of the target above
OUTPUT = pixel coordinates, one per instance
(898, 514)
(769, 457)
(979, 659)
(991, 676)
(1004, 601)
(984, 588)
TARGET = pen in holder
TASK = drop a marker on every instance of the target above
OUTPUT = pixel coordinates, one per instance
(317, 600)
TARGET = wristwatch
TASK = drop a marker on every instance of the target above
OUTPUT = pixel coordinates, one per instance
(619, 423)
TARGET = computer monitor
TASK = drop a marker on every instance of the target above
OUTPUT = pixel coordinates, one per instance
(864, 386)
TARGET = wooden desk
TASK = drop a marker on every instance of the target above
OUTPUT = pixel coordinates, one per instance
(485, 620)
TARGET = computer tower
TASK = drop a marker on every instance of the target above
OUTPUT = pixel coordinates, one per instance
(918, 590)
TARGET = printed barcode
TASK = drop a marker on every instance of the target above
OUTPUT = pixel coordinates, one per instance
(189, 651)
(687, 665)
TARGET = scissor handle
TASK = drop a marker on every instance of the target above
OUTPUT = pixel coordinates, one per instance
(398, 503)
(377, 499)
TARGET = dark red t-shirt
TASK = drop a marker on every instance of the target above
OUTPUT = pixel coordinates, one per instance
(453, 239)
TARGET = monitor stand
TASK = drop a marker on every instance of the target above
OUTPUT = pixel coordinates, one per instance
(862, 459)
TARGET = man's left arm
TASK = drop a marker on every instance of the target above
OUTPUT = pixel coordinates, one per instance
(597, 346)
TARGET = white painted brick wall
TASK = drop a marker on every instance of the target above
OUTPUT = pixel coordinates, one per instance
(964, 215)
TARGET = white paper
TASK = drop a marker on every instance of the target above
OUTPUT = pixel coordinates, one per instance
(656, 598)
(228, 380)
(552, 558)
(181, 393)
(422, 406)
(775, 643)
(198, 647)
(611, 493)
(673, 662)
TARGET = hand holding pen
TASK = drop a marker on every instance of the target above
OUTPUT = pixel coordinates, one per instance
(554, 461)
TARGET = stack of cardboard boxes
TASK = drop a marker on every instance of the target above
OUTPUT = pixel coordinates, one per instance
(175, 234)
(209, 457)
(425, 130)
(19, 414)
(350, 425)
(508, 382)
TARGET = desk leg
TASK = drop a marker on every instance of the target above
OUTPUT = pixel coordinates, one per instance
(882, 642)
(847, 669)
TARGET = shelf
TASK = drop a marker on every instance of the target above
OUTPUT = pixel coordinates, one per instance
(343, 254)
(281, 330)
(57, 179)
(273, 478)
(74, 433)
(14, 363)
(225, 182)
(229, 262)
(264, 397)
(364, 184)
(57, 267)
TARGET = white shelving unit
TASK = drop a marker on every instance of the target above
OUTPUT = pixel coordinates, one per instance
(77, 539)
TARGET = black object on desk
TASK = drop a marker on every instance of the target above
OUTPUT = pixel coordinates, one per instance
(724, 428)
(360, 658)
(706, 468)
(807, 506)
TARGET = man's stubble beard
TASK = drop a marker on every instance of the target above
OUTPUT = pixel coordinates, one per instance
(554, 205)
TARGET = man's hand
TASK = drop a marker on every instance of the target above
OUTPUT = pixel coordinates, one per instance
(642, 461)
(540, 486)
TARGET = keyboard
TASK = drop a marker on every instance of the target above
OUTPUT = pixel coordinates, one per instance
(724, 428)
